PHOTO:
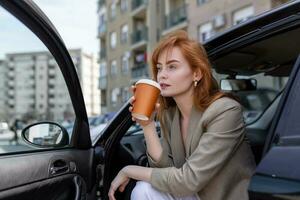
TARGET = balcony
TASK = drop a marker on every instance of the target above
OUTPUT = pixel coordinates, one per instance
(138, 8)
(103, 83)
(11, 102)
(51, 82)
(102, 54)
(11, 83)
(51, 71)
(102, 28)
(176, 19)
(101, 3)
(139, 71)
(139, 38)
(11, 74)
(11, 93)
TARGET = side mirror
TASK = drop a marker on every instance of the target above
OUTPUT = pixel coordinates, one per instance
(238, 84)
(45, 134)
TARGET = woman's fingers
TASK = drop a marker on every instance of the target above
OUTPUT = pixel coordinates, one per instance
(123, 186)
(133, 89)
(132, 99)
(111, 193)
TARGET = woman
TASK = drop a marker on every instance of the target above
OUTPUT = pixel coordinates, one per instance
(203, 154)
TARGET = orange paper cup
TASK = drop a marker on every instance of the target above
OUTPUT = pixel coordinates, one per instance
(146, 95)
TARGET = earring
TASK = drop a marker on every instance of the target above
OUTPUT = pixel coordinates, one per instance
(195, 83)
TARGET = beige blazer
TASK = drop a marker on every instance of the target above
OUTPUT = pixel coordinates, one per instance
(216, 162)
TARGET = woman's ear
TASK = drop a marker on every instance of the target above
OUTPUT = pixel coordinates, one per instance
(197, 75)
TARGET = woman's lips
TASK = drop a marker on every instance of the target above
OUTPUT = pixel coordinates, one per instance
(164, 86)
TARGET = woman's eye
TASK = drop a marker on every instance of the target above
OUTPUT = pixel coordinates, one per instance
(158, 68)
(172, 66)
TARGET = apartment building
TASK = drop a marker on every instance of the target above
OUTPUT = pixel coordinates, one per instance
(125, 44)
(35, 87)
(129, 30)
(2, 89)
(209, 17)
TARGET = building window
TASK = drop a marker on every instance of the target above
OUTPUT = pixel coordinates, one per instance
(125, 94)
(125, 64)
(124, 34)
(112, 11)
(243, 14)
(205, 31)
(102, 19)
(200, 2)
(124, 5)
(114, 96)
(113, 40)
(113, 68)
(103, 70)
(103, 97)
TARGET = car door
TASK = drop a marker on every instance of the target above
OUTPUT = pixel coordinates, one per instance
(46, 170)
(277, 176)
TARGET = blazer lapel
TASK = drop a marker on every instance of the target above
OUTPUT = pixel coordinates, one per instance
(177, 146)
(193, 130)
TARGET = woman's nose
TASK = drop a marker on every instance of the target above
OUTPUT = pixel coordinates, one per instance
(162, 74)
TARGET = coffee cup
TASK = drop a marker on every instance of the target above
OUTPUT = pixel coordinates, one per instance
(146, 94)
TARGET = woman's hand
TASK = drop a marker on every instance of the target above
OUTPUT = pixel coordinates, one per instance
(143, 123)
(120, 181)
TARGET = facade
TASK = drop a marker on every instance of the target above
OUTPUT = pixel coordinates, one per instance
(34, 86)
(129, 30)
(2, 89)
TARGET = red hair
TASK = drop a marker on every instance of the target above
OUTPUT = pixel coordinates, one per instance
(207, 90)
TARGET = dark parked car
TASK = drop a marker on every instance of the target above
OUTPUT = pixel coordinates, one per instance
(265, 47)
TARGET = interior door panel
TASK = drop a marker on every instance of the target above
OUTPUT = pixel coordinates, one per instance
(60, 174)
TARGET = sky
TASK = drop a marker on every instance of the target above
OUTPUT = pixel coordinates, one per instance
(75, 20)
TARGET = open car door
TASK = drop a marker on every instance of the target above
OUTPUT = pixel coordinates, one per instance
(47, 171)
(278, 176)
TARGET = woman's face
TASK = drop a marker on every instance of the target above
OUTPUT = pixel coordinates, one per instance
(174, 74)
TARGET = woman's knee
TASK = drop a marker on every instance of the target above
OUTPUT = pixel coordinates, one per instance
(141, 190)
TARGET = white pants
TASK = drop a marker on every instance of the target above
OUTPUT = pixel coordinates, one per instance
(144, 191)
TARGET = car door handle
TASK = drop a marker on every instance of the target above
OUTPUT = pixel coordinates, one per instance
(59, 167)
(57, 170)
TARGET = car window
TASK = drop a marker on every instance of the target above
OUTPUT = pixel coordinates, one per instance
(255, 102)
(32, 88)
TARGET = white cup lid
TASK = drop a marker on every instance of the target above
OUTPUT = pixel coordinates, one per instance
(150, 82)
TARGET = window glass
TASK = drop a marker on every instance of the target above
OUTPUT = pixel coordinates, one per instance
(255, 102)
(112, 11)
(243, 14)
(115, 93)
(124, 33)
(125, 94)
(200, 2)
(32, 88)
(124, 5)
(125, 64)
(205, 31)
(103, 69)
(113, 68)
(113, 40)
